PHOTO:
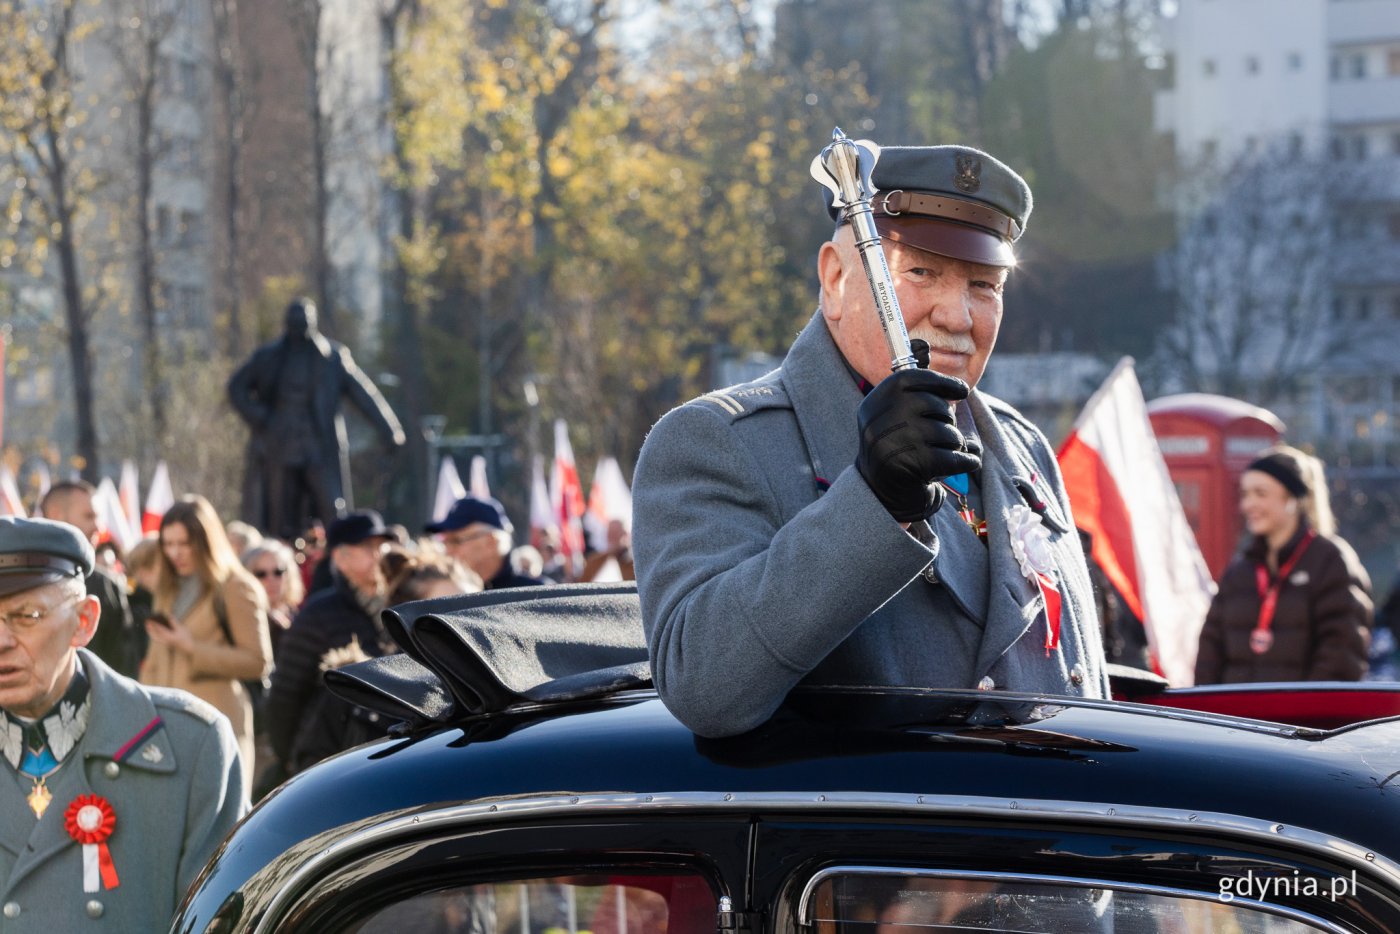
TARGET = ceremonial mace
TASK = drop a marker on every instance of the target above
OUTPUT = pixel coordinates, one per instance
(844, 167)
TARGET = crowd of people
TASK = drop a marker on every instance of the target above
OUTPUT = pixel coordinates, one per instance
(248, 622)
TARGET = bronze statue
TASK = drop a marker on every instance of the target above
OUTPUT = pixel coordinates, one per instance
(289, 393)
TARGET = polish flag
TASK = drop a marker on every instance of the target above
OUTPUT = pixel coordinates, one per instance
(542, 517)
(608, 498)
(11, 504)
(567, 499)
(111, 520)
(129, 493)
(478, 485)
(159, 498)
(1122, 495)
(449, 488)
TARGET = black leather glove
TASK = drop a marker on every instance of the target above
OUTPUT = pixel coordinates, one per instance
(908, 440)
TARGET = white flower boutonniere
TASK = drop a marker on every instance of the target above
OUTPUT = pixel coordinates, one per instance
(1030, 542)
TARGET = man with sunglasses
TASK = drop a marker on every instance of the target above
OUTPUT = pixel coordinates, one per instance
(116, 792)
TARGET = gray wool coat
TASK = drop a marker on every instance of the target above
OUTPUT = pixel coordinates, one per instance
(167, 763)
(755, 576)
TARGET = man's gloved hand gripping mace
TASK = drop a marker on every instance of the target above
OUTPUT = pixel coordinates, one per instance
(844, 168)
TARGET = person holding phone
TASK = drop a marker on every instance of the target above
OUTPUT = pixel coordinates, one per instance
(208, 628)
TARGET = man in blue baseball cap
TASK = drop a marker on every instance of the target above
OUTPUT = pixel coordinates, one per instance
(146, 779)
(477, 534)
(833, 522)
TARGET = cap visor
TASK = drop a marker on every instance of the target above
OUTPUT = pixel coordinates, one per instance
(18, 580)
(956, 241)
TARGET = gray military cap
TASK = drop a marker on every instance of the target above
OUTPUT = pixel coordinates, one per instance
(951, 200)
(34, 552)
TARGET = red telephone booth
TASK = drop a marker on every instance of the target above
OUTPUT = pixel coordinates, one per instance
(1207, 441)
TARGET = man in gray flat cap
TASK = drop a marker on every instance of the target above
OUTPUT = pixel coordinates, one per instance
(833, 523)
(113, 794)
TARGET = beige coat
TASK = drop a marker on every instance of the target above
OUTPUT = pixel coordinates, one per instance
(215, 670)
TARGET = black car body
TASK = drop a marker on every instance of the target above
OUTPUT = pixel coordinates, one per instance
(587, 807)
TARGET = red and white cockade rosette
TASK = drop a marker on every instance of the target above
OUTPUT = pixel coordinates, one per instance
(1030, 543)
(89, 820)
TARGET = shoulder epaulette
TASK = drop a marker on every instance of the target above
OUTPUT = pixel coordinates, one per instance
(169, 699)
(748, 398)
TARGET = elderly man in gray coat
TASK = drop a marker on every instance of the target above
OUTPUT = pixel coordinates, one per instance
(114, 794)
(833, 523)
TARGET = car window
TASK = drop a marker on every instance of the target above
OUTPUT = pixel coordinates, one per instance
(918, 904)
(606, 904)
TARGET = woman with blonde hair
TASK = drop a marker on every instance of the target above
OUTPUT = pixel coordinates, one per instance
(209, 629)
(274, 564)
(1295, 604)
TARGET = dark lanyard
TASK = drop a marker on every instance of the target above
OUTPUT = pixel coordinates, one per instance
(1262, 638)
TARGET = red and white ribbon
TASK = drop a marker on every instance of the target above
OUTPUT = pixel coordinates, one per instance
(1030, 543)
(89, 820)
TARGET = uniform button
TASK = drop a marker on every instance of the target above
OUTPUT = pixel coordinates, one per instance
(94, 908)
(111, 770)
(11, 910)
(1076, 674)
(986, 684)
(931, 574)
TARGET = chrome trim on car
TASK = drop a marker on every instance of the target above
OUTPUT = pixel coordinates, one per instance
(1136, 888)
(1172, 820)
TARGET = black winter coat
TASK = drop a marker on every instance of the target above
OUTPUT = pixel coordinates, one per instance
(327, 622)
(1321, 627)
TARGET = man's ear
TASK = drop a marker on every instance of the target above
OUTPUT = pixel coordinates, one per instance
(831, 270)
(89, 611)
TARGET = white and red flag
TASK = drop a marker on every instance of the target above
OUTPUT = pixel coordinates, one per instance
(129, 492)
(11, 504)
(609, 498)
(112, 523)
(567, 497)
(159, 498)
(476, 481)
(1122, 495)
(542, 516)
(449, 488)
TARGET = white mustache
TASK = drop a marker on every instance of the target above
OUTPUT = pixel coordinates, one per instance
(941, 340)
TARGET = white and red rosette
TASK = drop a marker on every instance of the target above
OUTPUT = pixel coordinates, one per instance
(1030, 543)
(89, 820)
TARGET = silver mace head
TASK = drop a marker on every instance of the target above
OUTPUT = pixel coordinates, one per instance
(844, 168)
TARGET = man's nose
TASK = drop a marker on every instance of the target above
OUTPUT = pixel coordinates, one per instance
(950, 308)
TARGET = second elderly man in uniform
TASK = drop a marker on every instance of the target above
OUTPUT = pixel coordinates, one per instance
(113, 795)
(833, 523)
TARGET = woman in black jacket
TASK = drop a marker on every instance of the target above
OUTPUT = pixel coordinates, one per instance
(1295, 604)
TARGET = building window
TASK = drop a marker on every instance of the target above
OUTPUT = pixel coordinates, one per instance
(1208, 67)
(1209, 148)
(1295, 144)
(1363, 308)
(1358, 147)
(1335, 69)
(1295, 61)
(1356, 65)
(1393, 224)
(1392, 59)
(1339, 148)
(1395, 143)
(163, 226)
(1251, 65)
